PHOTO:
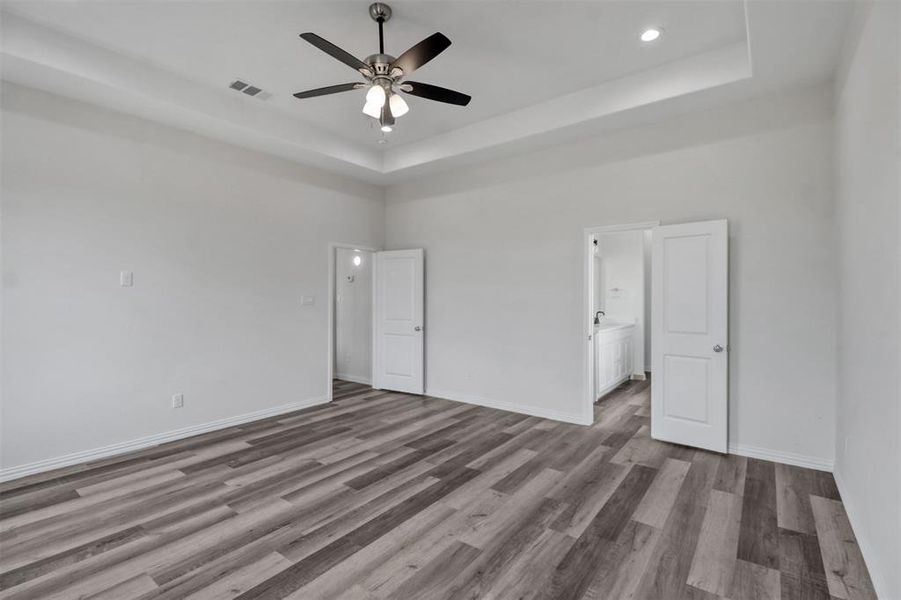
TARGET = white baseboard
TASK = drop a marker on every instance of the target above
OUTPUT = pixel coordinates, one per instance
(869, 553)
(788, 458)
(68, 460)
(639, 377)
(353, 378)
(545, 413)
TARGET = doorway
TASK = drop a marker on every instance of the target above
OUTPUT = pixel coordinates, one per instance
(376, 326)
(350, 314)
(618, 263)
(656, 299)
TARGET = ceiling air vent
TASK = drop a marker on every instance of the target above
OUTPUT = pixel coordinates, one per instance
(250, 90)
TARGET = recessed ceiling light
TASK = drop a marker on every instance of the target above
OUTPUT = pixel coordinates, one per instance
(650, 34)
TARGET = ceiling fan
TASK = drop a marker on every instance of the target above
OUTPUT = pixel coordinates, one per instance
(386, 75)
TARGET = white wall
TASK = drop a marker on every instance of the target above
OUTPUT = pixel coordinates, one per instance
(503, 241)
(868, 455)
(353, 315)
(222, 242)
(622, 256)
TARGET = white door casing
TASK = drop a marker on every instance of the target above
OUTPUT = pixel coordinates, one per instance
(689, 320)
(399, 328)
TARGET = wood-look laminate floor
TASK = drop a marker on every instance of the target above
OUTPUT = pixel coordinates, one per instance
(384, 495)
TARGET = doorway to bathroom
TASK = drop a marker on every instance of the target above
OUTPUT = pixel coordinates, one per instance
(618, 275)
(656, 301)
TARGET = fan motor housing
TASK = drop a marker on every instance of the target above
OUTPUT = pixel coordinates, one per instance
(380, 63)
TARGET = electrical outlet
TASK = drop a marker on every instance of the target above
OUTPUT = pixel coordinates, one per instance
(126, 278)
(178, 400)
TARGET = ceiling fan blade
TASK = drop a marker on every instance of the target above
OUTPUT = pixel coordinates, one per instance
(331, 89)
(433, 92)
(335, 52)
(421, 53)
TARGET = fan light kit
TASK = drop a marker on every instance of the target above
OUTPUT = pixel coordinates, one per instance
(385, 75)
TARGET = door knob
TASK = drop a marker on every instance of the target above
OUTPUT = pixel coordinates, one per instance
(717, 348)
(417, 328)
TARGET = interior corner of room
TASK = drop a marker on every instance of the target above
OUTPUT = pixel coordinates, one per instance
(650, 304)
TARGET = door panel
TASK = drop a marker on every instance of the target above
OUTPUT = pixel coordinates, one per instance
(685, 378)
(398, 352)
(685, 286)
(689, 321)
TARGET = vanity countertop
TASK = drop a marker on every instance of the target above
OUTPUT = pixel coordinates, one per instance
(607, 325)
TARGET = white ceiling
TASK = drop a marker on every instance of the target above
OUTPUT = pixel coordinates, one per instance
(537, 71)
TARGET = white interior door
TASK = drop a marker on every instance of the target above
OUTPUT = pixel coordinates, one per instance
(398, 351)
(689, 327)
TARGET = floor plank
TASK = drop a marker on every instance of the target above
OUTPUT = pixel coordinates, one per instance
(794, 486)
(755, 582)
(758, 540)
(714, 560)
(846, 573)
(655, 507)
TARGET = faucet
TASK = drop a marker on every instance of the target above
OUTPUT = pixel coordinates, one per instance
(597, 321)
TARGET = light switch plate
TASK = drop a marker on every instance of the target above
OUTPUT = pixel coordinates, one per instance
(178, 400)
(126, 278)
(307, 300)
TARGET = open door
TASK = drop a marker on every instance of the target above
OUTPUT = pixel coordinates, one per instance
(689, 321)
(399, 304)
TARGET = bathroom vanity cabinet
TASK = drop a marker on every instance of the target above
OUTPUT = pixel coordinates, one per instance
(614, 352)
